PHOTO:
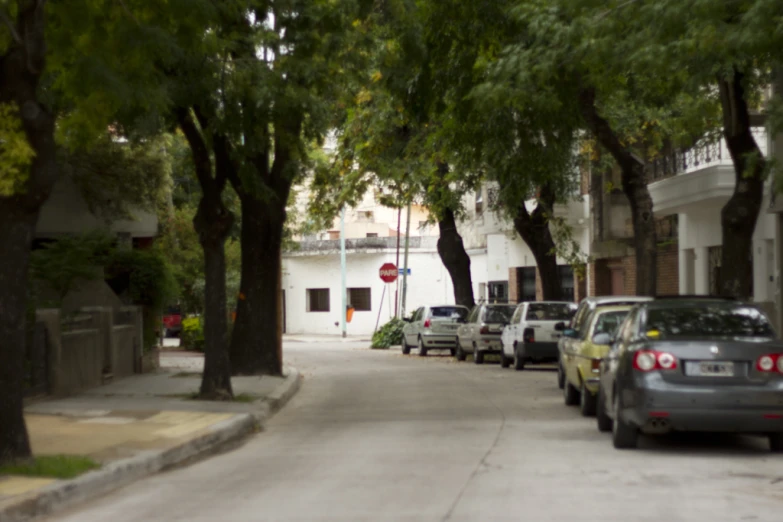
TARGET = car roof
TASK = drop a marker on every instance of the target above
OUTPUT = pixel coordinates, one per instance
(613, 308)
(499, 304)
(447, 306)
(608, 299)
(550, 302)
(690, 302)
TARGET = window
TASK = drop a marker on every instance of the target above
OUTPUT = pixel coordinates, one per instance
(317, 299)
(498, 292)
(360, 299)
(517, 317)
(473, 314)
(449, 312)
(550, 311)
(372, 234)
(566, 274)
(690, 321)
(480, 201)
(334, 234)
(528, 277)
(498, 314)
(609, 322)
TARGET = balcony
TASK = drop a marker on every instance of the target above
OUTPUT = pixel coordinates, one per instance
(358, 245)
(701, 175)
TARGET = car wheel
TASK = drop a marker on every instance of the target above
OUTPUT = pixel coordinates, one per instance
(624, 435)
(570, 394)
(405, 348)
(603, 420)
(422, 348)
(560, 376)
(505, 362)
(519, 359)
(478, 355)
(461, 355)
(776, 442)
(586, 402)
(453, 352)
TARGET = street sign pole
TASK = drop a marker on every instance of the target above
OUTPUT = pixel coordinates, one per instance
(344, 289)
(405, 263)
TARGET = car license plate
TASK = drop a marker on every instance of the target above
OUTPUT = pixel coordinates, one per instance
(450, 326)
(710, 369)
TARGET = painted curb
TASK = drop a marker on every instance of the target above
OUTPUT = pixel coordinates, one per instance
(118, 474)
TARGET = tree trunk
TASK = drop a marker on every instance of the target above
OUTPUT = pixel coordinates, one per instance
(456, 260)
(213, 224)
(21, 66)
(533, 228)
(257, 339)
(16, 234)
(634, 182)
(740, 214)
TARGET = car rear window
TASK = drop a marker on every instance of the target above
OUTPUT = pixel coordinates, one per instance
(498, 314)
(448, 312)
(550, 311)
(607, 322)
(703, 321)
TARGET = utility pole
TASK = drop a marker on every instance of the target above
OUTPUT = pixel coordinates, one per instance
(405, 262)
(397, 264)
(344, 289)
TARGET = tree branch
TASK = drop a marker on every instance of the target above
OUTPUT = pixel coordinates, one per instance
(198, 148)
(7, 21)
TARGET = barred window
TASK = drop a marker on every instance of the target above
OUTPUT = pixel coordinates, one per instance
(317, 299)
(360, 299)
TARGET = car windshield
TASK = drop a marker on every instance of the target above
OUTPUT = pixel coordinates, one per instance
(700, 321)
(498, 314)
(607, 322)
(550, 311)
(448, 312)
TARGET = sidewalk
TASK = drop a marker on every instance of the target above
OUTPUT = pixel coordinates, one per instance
(136, 427)
(310, 338)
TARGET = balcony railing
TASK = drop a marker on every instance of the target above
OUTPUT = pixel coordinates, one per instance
(702, 156)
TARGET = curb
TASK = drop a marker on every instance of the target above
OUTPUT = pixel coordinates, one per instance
(115, 475)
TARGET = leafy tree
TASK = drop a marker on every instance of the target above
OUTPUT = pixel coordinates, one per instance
(726, 52)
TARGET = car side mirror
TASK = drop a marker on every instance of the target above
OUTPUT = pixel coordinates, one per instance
(559, 327)
(570, 332)
(602, 338)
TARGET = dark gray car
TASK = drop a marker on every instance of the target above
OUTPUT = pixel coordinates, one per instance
(692, 365)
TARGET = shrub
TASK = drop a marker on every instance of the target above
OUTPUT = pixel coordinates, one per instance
(389, 334)
(192, 336)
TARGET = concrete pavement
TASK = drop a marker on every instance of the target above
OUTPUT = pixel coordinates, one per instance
(135, 427)
(380, 436)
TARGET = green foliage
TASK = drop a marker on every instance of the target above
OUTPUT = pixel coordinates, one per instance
(61, 265)
(117, 178)
(192, 337)
(390, 334)
(16, 154)
(150, 279)
(54, 466)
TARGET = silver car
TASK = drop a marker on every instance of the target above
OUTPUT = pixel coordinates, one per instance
(692, 365)
(433, 327)
(481, 333)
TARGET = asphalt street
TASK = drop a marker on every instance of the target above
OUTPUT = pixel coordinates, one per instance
(375, 435)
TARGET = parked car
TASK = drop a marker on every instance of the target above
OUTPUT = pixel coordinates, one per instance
(172, 321)
(572, 331)
(701, 365)
(481, 333)
(582, 358)
(531, 335)
(433, 327)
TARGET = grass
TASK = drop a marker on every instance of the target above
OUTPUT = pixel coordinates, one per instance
(54, 466)
(185, 374)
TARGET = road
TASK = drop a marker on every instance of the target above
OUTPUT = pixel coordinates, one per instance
(378, 436)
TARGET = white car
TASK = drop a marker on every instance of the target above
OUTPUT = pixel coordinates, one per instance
(531, 334)
(433, 327)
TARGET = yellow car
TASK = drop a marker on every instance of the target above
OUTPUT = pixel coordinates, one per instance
(582, 357)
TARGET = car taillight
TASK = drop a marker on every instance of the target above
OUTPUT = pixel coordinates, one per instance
(649, 360)
(770, 363)
(427, 323)
(484, 330)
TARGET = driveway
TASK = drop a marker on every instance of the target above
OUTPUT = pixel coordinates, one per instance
(375, 435)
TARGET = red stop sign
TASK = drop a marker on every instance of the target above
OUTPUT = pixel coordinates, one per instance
(388, 272)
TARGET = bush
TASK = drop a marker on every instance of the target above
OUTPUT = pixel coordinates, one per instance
(192, 336)
(389, 334)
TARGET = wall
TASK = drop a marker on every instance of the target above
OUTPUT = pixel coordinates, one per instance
(80, 361)
(429, 283)
(66, 212)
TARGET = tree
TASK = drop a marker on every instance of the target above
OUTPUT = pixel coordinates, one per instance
(729, 50)
(27, 150)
